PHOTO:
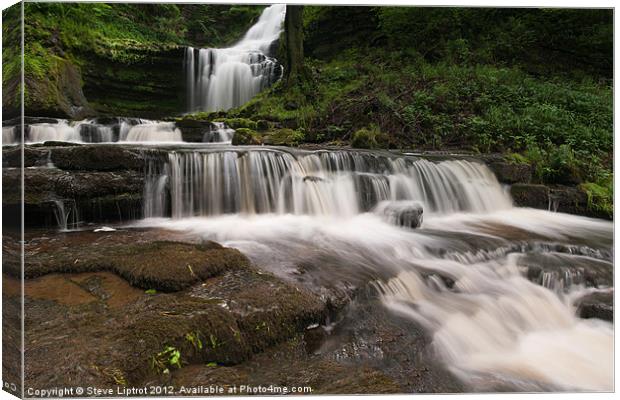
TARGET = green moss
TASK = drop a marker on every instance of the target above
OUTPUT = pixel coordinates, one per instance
(600, 196)
(285, 137)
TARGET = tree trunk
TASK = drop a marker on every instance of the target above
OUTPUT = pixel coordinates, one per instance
(294, 44)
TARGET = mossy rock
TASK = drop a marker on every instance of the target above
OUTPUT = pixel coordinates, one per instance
(245, 136)
(236, 123)
(285, 137)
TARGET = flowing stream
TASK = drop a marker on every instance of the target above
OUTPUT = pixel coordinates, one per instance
(437, 242)
(462, 275)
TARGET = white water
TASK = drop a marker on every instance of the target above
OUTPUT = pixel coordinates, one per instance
(493, 328)
(61, 131)
(89, 131)
(9, 135)
(220, 79)
(151, 132)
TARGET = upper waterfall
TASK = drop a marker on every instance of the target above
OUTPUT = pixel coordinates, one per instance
(220, 79)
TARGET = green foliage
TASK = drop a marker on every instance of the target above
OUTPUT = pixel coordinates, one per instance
(549, 41)
(600, 195)
(150, 291)
(164, 360)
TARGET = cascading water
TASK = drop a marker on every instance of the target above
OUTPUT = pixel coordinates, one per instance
(61, 131)
(220, 79)
(466, 275)
(321, 183)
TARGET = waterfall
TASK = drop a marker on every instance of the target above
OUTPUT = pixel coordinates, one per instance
(219, 133)
(220, 79)
(9, 134)
(338, 183)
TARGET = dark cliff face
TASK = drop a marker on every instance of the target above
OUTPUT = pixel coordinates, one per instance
(93, 59)
(153, 87)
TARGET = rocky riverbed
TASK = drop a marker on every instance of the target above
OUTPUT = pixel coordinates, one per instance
(276, 298)
(104, 307)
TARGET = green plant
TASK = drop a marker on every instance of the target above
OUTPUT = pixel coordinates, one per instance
(600, 196)
(194, 339)
(164, 360)
(368, 138)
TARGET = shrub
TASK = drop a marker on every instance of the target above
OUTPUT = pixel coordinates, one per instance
(369, 138)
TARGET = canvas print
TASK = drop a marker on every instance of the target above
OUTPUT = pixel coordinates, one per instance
(230, 199)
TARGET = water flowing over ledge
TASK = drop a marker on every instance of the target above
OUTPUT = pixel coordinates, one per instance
(114, 130)
(337, 183)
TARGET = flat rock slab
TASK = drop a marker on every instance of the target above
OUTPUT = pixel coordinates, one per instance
(161, 265)
(85, 291)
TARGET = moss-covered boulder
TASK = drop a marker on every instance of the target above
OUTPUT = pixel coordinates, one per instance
(246, 136)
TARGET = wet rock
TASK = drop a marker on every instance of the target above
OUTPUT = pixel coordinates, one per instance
(560, 271)
(97, 158)
(33, 156)
(407, 214)
(365, 187)
(507, 172)
(95, 196)
(193, 130)
(529, 195)
(597, 305)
